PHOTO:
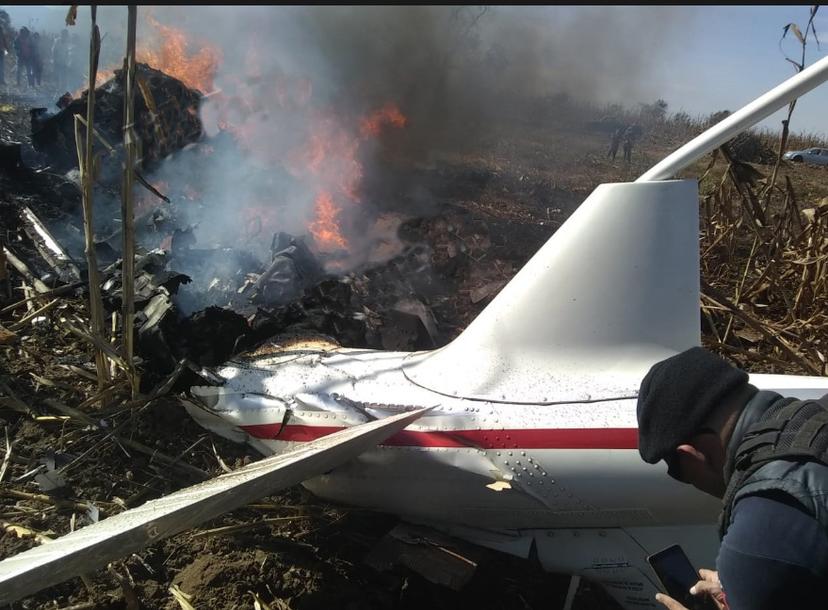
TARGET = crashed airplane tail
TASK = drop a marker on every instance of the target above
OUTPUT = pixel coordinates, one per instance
(615, 289)
(532, 439)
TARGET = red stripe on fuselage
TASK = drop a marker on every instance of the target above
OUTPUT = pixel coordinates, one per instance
(525, 438)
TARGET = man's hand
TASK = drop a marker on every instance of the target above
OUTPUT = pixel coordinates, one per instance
(709, 585)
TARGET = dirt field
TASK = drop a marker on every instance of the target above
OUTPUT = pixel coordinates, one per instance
(497, 202)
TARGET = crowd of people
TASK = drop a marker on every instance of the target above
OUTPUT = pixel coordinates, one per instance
(32, 60)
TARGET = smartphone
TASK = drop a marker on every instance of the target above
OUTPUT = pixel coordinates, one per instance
(677, 575)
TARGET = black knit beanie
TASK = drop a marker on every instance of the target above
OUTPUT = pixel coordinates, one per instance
(676, 397)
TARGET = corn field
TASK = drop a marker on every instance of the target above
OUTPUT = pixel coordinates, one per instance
(763, 263)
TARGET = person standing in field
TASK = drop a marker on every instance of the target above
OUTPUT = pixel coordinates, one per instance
(23, 50)
(614, 142)
(36, 60)
(629, 136)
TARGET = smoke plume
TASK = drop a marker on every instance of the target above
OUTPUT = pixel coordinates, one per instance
(306, 105)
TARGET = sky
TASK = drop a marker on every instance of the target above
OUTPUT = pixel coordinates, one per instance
(734, 55)
(713, 58)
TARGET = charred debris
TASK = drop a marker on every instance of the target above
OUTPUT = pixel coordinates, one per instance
(203, 304)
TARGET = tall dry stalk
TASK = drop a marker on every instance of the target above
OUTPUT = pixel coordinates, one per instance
(776, 274)
(800, 66)
(88, 166)
(127, 208)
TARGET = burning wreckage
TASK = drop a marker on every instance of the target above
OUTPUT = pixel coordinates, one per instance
(519, 434)
(201, 303)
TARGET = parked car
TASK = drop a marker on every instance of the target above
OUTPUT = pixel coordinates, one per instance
(818, 156)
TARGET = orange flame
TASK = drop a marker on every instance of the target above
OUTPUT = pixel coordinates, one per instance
(196, 70)
(169, 52)
(326, 156)
(103, 75)
(388, 114)
(325, 229)
(332, 157)
(330, 161)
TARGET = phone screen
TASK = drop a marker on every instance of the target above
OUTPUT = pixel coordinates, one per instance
(678, 575)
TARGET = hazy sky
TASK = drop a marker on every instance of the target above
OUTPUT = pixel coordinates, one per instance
(734, 55)
(718, 57)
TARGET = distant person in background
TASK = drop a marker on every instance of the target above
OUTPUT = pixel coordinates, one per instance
(629, 136)
(36, 60)
(616, 140)
(23, 50)
(60, 59)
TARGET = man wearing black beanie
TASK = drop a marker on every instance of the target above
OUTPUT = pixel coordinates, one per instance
(766, 456)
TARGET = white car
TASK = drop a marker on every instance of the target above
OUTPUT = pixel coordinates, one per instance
(817, 156)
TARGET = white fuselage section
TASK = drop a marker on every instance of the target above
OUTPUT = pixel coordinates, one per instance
(496, 472)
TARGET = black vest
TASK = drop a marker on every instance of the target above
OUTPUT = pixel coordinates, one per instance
(779, 444)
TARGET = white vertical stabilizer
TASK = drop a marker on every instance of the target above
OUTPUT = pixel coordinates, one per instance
(615, 289)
